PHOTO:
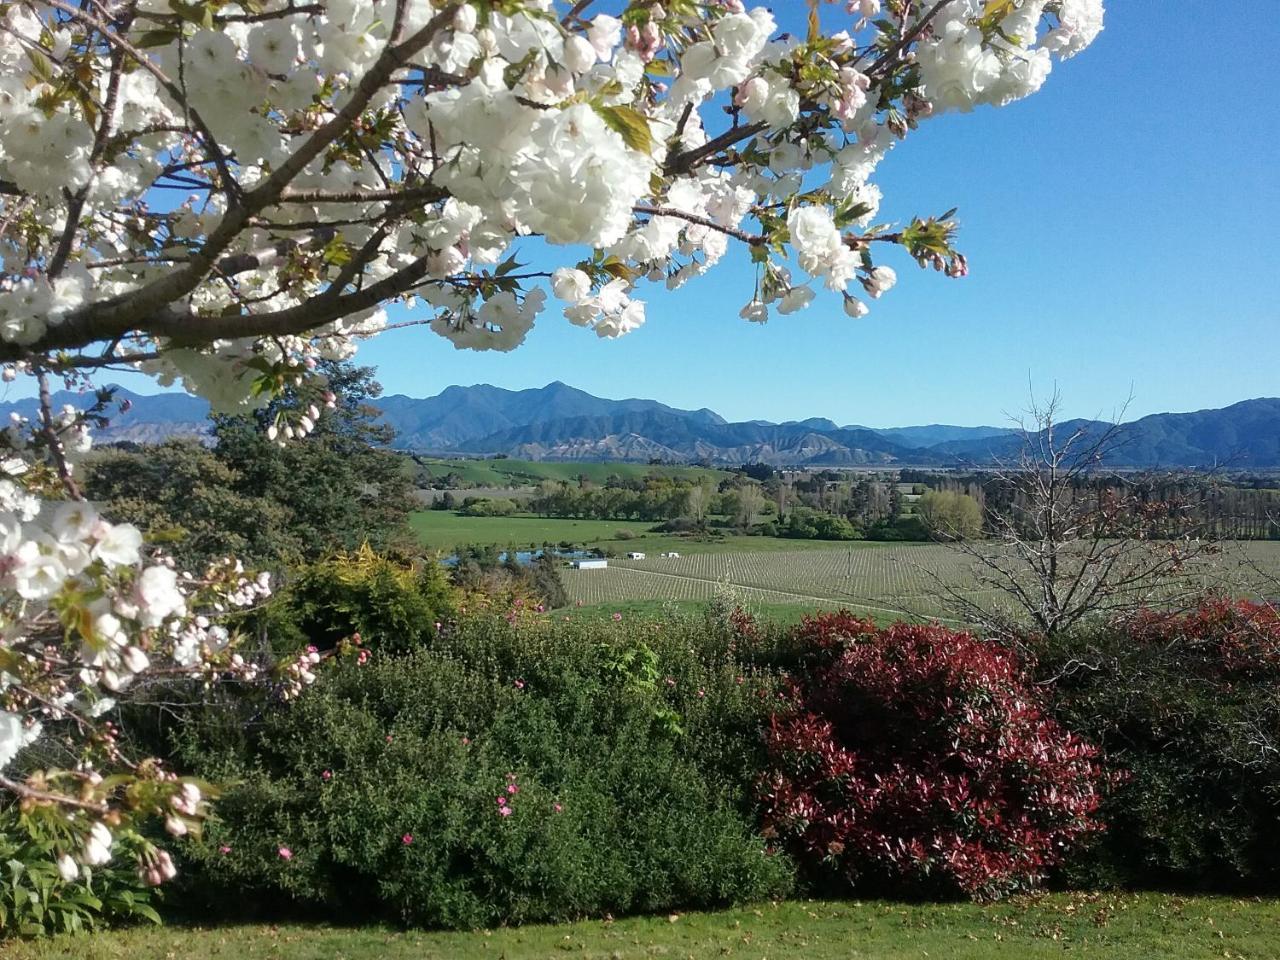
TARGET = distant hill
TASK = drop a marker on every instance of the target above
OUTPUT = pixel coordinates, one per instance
(459, 415)
(560, 423)
(152, 418)
(1245, 435)
(936, 433)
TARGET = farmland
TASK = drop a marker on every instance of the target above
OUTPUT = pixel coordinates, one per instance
(882, 579)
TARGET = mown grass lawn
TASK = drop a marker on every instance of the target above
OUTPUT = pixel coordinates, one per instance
(1114, 926)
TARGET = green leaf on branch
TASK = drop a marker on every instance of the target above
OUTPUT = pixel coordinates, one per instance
(628, 123)
(506, 266)
(337, 252)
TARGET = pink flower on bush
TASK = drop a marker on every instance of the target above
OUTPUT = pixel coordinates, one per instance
(224, 849)
(502, 801)
(504, 811)
(326, 775)
(557, 808)
(407, 839)
(512, 788)
(388, 738)
(519, 684)
(285, 853)
(617, 618)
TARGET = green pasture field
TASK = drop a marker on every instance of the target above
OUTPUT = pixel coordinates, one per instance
(1125, 926)
(446, 529)
(508, 473)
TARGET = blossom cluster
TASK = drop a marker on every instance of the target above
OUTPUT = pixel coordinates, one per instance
(86, 617)
(342, 155)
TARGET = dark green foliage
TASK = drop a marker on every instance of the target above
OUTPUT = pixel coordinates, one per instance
(631, 749)
(545, 581)
(1188, 707)
(35, 900)
(486, 507)
(907, 527)
(270, 506)
(806, 524)
(181, 494)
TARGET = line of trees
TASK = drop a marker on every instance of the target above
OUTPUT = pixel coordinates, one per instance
(1172, 504)
(656, 499)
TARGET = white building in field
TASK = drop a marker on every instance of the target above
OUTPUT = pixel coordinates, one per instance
(634, 555)
(591, 563)
(670, 555)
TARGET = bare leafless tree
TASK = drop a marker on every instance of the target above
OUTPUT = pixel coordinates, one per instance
(1070, 539)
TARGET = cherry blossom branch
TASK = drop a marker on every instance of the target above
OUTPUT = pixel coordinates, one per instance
(118, 315)
(892, 54)
(54, 442)
(575, 11)
(686, 161)
(114, 39)
(752, 239)
(21, 790)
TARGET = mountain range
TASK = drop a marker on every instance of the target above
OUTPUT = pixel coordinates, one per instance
(559, 422)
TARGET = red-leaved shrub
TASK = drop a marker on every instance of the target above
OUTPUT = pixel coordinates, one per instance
(919, 757)
(1222, 638)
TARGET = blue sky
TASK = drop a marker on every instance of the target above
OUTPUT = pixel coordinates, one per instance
(1120, 231)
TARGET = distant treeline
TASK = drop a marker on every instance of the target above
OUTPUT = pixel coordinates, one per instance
(1162, 505)
(651, 498)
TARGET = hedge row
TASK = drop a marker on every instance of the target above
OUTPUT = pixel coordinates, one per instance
(514, 767)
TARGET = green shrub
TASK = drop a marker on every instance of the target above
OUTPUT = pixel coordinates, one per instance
(631, 749)
(486, 507)
(393, 605)
(36, 900)
(1187, 707)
